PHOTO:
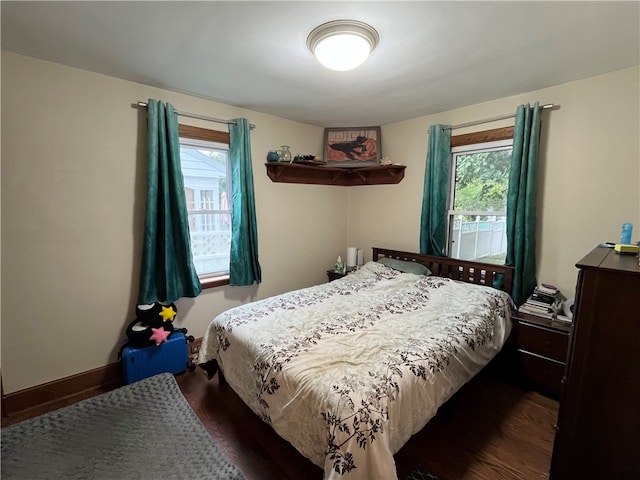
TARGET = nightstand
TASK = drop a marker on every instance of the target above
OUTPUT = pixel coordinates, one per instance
(334, 275)
(541, 346)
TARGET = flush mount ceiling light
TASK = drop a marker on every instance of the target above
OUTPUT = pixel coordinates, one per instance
(342, 44)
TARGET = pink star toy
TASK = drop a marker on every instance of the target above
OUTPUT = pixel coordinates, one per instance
(159, 335)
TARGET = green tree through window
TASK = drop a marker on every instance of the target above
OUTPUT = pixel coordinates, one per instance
(482, 180)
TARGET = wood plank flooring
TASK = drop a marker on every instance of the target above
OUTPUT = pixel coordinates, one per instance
(491, 429)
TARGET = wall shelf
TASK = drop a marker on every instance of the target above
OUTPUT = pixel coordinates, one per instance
(322, 175)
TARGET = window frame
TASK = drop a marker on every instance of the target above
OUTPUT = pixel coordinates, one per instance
(481, 139)
(216, 136)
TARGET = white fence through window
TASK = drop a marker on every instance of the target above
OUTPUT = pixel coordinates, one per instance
(479, 239)
(210, 250)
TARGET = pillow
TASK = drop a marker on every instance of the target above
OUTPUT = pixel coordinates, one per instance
(404, 266)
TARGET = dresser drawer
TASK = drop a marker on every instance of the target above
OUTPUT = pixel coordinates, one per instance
(543, 341)
(546, 374)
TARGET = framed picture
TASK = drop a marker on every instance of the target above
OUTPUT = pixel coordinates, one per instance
(352, 147)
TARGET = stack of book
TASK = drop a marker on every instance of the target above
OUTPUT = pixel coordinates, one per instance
(544, 301)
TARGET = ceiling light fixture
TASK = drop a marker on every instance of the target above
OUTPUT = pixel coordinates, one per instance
(342, 44)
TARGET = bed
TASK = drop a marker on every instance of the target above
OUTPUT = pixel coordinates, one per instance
(349, 370)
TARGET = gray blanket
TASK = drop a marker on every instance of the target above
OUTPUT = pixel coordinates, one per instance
(145, 430)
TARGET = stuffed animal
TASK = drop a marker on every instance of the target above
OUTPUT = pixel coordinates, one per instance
(153, 325)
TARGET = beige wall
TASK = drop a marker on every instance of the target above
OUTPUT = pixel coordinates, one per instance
(589, 177)
(73, 174)
(73, 180)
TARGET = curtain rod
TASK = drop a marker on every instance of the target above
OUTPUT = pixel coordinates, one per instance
(492, 119)
(198, 116)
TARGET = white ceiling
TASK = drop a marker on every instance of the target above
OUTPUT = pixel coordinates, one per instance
(432, 56)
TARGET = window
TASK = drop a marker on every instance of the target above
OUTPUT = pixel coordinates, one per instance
(478, 201)
(204, 156)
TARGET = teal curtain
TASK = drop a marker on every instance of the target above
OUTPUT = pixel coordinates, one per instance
(433, 222)
(167, 271)
(244, 268)
(521, 202)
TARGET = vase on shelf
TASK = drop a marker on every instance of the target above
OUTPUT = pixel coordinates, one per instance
(284, 154)
(272, 156)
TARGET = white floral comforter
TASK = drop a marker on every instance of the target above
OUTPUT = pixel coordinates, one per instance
(349, 370)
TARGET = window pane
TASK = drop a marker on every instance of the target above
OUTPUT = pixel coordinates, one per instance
(477, 214)
(205, 167)
(474, 238)
(482, 180)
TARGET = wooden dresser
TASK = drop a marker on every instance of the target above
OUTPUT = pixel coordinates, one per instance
(598, 431)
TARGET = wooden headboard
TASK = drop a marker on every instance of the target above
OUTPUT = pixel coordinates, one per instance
(463, 270)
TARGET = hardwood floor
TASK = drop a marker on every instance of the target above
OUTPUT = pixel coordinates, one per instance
(490, 430)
